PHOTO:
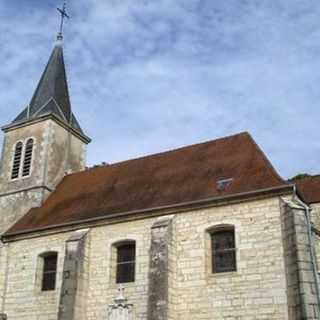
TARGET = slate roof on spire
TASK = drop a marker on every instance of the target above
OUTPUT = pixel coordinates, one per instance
(52, 95)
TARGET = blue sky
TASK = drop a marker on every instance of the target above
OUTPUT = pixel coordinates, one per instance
(147, 76)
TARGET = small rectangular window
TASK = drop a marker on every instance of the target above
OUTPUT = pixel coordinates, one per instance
(16, 161)
(126, 260)
(49, 272)
(27, 158)
(223, 251)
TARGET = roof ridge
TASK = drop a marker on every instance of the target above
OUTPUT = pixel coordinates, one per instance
(244, 133)
(59, 108)
(43, 106)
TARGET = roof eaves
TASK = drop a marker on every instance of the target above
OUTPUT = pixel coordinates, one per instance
(44, 117)
(156, 211)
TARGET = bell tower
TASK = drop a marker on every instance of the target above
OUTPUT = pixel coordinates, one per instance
(42, 144)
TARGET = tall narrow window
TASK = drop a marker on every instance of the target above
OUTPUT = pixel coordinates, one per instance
(49, 273)
(27, 158)
(126, 260)
(223, 251)
(16, 161)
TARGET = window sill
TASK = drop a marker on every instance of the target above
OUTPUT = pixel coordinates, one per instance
(46, 294)
(124, 285)
(222, 276)
(215, 274)
(20, 178)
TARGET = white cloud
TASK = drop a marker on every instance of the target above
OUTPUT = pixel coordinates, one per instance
(147, 76)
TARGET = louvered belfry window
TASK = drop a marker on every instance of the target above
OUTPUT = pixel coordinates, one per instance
(49, 271)
(223, 251)
(27, 158)
(17, 161)
(126, 260)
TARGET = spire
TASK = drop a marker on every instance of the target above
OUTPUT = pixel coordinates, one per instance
(52, 94)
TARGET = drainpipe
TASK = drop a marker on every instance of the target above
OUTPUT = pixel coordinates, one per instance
(307, 212)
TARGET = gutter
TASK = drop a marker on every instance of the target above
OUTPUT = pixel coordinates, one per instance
(152, 212)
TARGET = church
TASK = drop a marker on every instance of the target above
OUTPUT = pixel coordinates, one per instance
(207, 231)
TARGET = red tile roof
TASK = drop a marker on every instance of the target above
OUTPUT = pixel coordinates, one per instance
(184, 175)
(309, 187)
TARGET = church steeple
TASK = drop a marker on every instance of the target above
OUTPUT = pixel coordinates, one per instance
(52, 93)
(42, 145)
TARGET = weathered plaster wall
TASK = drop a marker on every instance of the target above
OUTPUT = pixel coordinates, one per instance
(40, 132)
(158, 293)
(14, 206)
(66, 153)
(55, 152)
(75, 277)
(256, 291)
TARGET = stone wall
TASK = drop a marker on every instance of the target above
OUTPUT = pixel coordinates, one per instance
(257, 290)
(24, 298)
(75, 278)
(299, 250)
(315, 214)
(12, 207)
(158, 293)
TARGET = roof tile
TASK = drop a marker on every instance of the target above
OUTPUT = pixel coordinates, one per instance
(309, 187)
(184, 175)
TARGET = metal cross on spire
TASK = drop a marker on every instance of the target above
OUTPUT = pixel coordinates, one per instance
(64, 15)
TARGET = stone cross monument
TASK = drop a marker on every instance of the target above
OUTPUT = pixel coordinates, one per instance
(121, 309)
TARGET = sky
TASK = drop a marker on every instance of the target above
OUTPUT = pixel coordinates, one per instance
(147, 76)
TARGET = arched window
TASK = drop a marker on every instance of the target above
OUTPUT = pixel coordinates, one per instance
(125, 262)
(27, 158)
(17, 160)
(49, 270)
(223, 250)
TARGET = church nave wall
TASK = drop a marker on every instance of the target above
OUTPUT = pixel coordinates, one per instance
(257, 287)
